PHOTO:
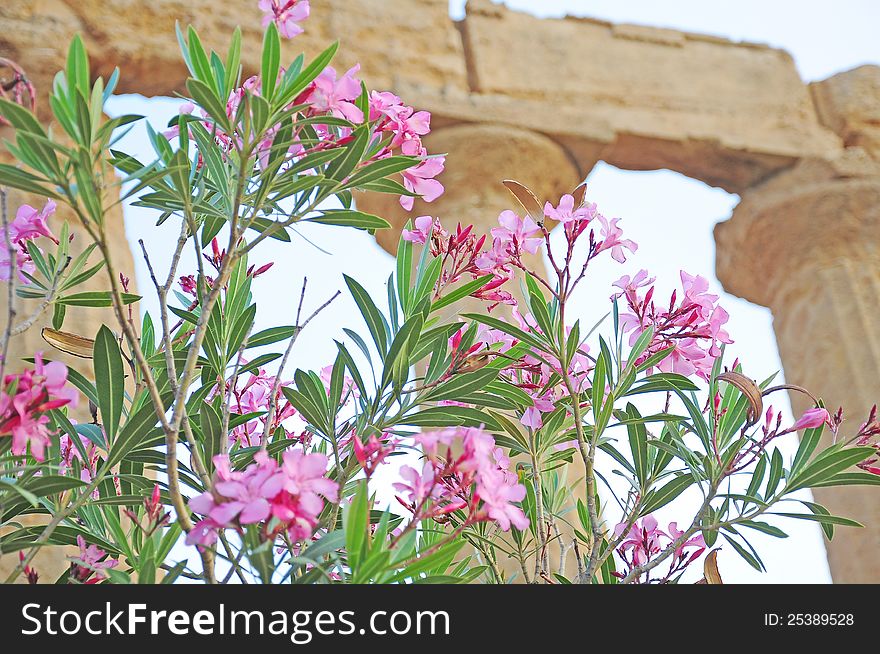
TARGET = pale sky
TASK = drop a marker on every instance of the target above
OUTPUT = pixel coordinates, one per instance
(669, 215)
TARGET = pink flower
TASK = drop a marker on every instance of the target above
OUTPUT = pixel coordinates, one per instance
(286, 14)
(423, 228)
(812, 419)
(642, 541)
(406, 125)
(498, 496)
(23, 414)
(611, 240)
(305, 475)
(23, 263)
(519, 234)
(628, 285)
(91, 560)
(418, 486)
(645, 540)
(290, 493)
(464, 471)
(696, 541)
(565, 212)
(420, 180)
(372, 453)
(30, 223)
(532, 416)
(336, 96)
(693, 328)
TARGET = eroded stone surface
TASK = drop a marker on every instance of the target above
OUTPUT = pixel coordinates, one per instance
(559, 95)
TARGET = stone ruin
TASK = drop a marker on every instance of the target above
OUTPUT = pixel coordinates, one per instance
(542, 101)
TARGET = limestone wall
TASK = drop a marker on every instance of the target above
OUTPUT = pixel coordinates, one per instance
(570, 92)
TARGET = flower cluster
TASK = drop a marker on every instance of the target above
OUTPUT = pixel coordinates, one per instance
(254, 396)
(643, 540)
(286, 14)
(373, 452)
(92, 560)
(463, 471)
(88, 466)
(867, 436)
(461, 254)
(26, 398)
(692, 326)
(285, 498)
(29, 224)
(397, 127)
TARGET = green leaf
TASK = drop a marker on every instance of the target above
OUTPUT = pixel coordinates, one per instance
(749, 558)
(828, 464)
(95, 299)
(212, 431)
(666, 494)
(850, 479)
(447, 416)
(135, 431)
(763, 527)
(371, 314)
(109, 380)
(461, 385)
(776, 471)
(461, 292)
(271, 335)
(821, 517)
(638, 444)
(349, 218)
(271, 60)
(380, 169)
(809, 443)
(355, 520)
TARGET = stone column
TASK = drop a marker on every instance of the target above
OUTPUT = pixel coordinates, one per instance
(480, 157)
(807, 245)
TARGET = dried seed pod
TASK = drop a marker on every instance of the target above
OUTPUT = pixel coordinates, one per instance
(710, 569)
(580, 194)
(527, 199)
(78, 346)
(473, 363)
(750, 389)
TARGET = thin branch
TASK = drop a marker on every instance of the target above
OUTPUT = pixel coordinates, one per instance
(276, 386)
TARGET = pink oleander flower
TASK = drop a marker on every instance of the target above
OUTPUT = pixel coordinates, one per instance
(498, 496)
(417, 486)
(23, 414)
(644, 540)
(420, 180)
(423, 227)
(518, 234)
(406, 125)
(629, 285)
(611, 240)
(693, 328)
(532, 416)
(254, 395)
(565, 212)
(28, 225)
(812, 418)
(290, 494)
(92, 560)
(337, 96)
(373, 452)
(286, 14)
(464, 471)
